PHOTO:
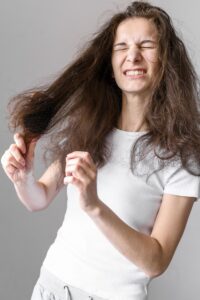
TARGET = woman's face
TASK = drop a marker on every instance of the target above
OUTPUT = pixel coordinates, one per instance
(135, 60)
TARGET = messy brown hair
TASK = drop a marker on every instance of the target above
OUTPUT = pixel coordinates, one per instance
(81, 107)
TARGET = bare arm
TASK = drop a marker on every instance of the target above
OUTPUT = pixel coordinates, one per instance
(38, 194)
(151, 253)
(17, 162)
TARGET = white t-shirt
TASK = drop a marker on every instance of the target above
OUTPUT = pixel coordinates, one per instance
(82, 256)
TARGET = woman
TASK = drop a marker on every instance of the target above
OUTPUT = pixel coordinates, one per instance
(125, 140)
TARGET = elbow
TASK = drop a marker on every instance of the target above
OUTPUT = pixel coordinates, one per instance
(34, 208)
(155, 272)
(156, 269)
(159, 262)
(158, 272)
(31, 209)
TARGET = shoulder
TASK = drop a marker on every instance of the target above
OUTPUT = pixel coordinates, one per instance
(179, 181)
(169, 176)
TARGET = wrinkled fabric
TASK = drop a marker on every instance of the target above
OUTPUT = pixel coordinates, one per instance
(49, 287)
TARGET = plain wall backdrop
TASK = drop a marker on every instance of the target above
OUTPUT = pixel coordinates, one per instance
(38, 38)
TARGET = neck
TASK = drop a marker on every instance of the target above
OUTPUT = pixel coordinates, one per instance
(132, 116)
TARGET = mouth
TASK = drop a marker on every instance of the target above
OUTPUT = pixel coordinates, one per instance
(135, 72)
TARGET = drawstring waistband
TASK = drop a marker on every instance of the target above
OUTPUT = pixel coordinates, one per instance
(54, 286)
(68, 294)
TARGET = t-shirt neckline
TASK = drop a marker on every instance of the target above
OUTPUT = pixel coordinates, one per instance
(129, 133)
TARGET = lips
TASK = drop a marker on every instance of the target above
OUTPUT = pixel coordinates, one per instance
(135, 72)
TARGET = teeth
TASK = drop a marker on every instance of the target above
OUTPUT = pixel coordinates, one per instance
(135, 72)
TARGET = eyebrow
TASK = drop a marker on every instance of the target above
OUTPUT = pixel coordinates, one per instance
(143, 42)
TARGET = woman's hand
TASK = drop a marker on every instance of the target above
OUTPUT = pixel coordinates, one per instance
(81, 171)
(17, 160)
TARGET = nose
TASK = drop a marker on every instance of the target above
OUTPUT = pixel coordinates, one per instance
(134, 55)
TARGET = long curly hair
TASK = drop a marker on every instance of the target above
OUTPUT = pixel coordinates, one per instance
(82, 106)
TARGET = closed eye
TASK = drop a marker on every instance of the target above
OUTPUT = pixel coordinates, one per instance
(148, 47)
(148, 44)
(120, 48)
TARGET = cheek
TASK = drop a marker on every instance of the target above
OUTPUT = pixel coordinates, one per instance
(116, 73)
(151, 57)
(115, 65)
(117, 60)
(114, 60)
(154, 62)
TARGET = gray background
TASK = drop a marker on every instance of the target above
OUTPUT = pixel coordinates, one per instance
(38, 38)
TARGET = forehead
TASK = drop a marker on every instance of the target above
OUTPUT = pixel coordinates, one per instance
(136, 28)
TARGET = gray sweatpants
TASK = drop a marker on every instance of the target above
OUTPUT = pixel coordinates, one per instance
(49, 287)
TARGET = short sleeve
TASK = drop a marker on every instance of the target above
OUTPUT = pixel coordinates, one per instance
(180, 182)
